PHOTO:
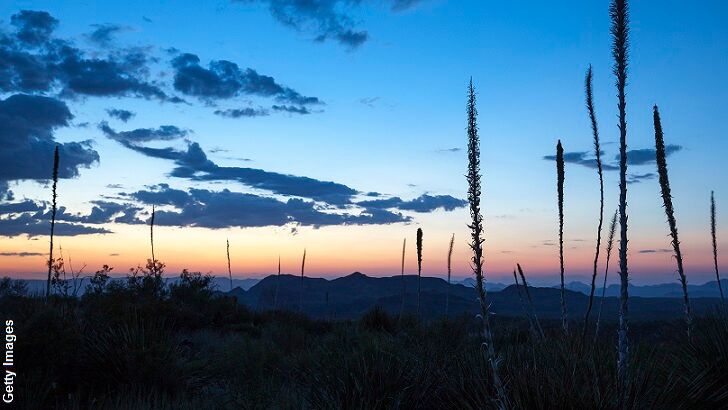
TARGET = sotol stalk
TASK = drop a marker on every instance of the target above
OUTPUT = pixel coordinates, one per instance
(476, 244)
(660, 156)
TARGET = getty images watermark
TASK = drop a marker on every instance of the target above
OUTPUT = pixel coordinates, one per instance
(8, 361)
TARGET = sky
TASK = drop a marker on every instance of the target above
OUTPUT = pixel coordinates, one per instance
(338, 127)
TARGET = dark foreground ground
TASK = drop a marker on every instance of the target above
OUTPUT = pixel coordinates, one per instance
(143, 345)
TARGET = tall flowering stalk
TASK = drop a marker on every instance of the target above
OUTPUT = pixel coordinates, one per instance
(560, 193)
(449, 271)
(661, 158)
(476, 244)
(598, 155)
(610, 243)
(53, 219)
(419, 268)
(715, 248)
(619, 13)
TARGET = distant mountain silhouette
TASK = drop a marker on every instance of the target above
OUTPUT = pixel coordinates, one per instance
(351, 296)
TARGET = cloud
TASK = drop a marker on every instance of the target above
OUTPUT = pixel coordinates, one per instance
(655, 251)
(223, 79)
(242, 112)
(141, 135)
(634, 157)
(423, 203)
(27, 142)
(225, 209)
(449, 150)
(637, 178)
(27, 225)
(22, 254)
(33, 27)
(326, 19)
(583, 158)
(123, 115)
(193, 164)
(103, 34)
(33, 218)
(291, 109)
(32, 60)
(647, 156)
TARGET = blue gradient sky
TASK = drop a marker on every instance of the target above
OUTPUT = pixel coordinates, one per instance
(393, 107)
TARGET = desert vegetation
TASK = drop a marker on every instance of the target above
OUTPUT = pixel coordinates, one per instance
(139, 341)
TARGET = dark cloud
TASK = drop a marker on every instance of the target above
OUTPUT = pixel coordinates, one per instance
(141, 135)
(123, 115)
(320, 17)
(242, 112)
(583, 158)
(33, 218)
(33, 60)
(637, 178)
(193, 164)
(33, 27)
(223, 79)
(27, 142)
(423, 203)
(224, 209)
(647, 156)
(291, 109)
(103, 34)
(449, 150)
(655, 251)
(21, 254)
(27, 225)
(634, 157)
(326, 19)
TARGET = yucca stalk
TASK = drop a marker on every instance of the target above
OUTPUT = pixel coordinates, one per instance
(619, 14)
(151, 234)
(670, 213)
(476, 244)
(303, 267)
(54, 197)
(401, 307)
(419, 268)
(230, 272)
(598, 155)
(449, 271)
(526, 311)
(278, 285)
(530, 301)
(715, 248)
(610, 243)
(560, 193)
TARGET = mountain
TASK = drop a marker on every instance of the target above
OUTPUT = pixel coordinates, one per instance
(221, 283)
(351, 296)
(663, 290)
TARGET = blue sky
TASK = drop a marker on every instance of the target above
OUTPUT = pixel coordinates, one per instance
(392, 111)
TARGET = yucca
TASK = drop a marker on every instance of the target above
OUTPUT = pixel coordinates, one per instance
(230, 272)
(419, 268)
(610, 243)
(619, 13)
(598, 155)
(560, 193)
(401, 307)
(661, 159)
(715, 248)
(449, 271)
(303, 267)
(476, 244)
(530, 301)
(56, 159)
